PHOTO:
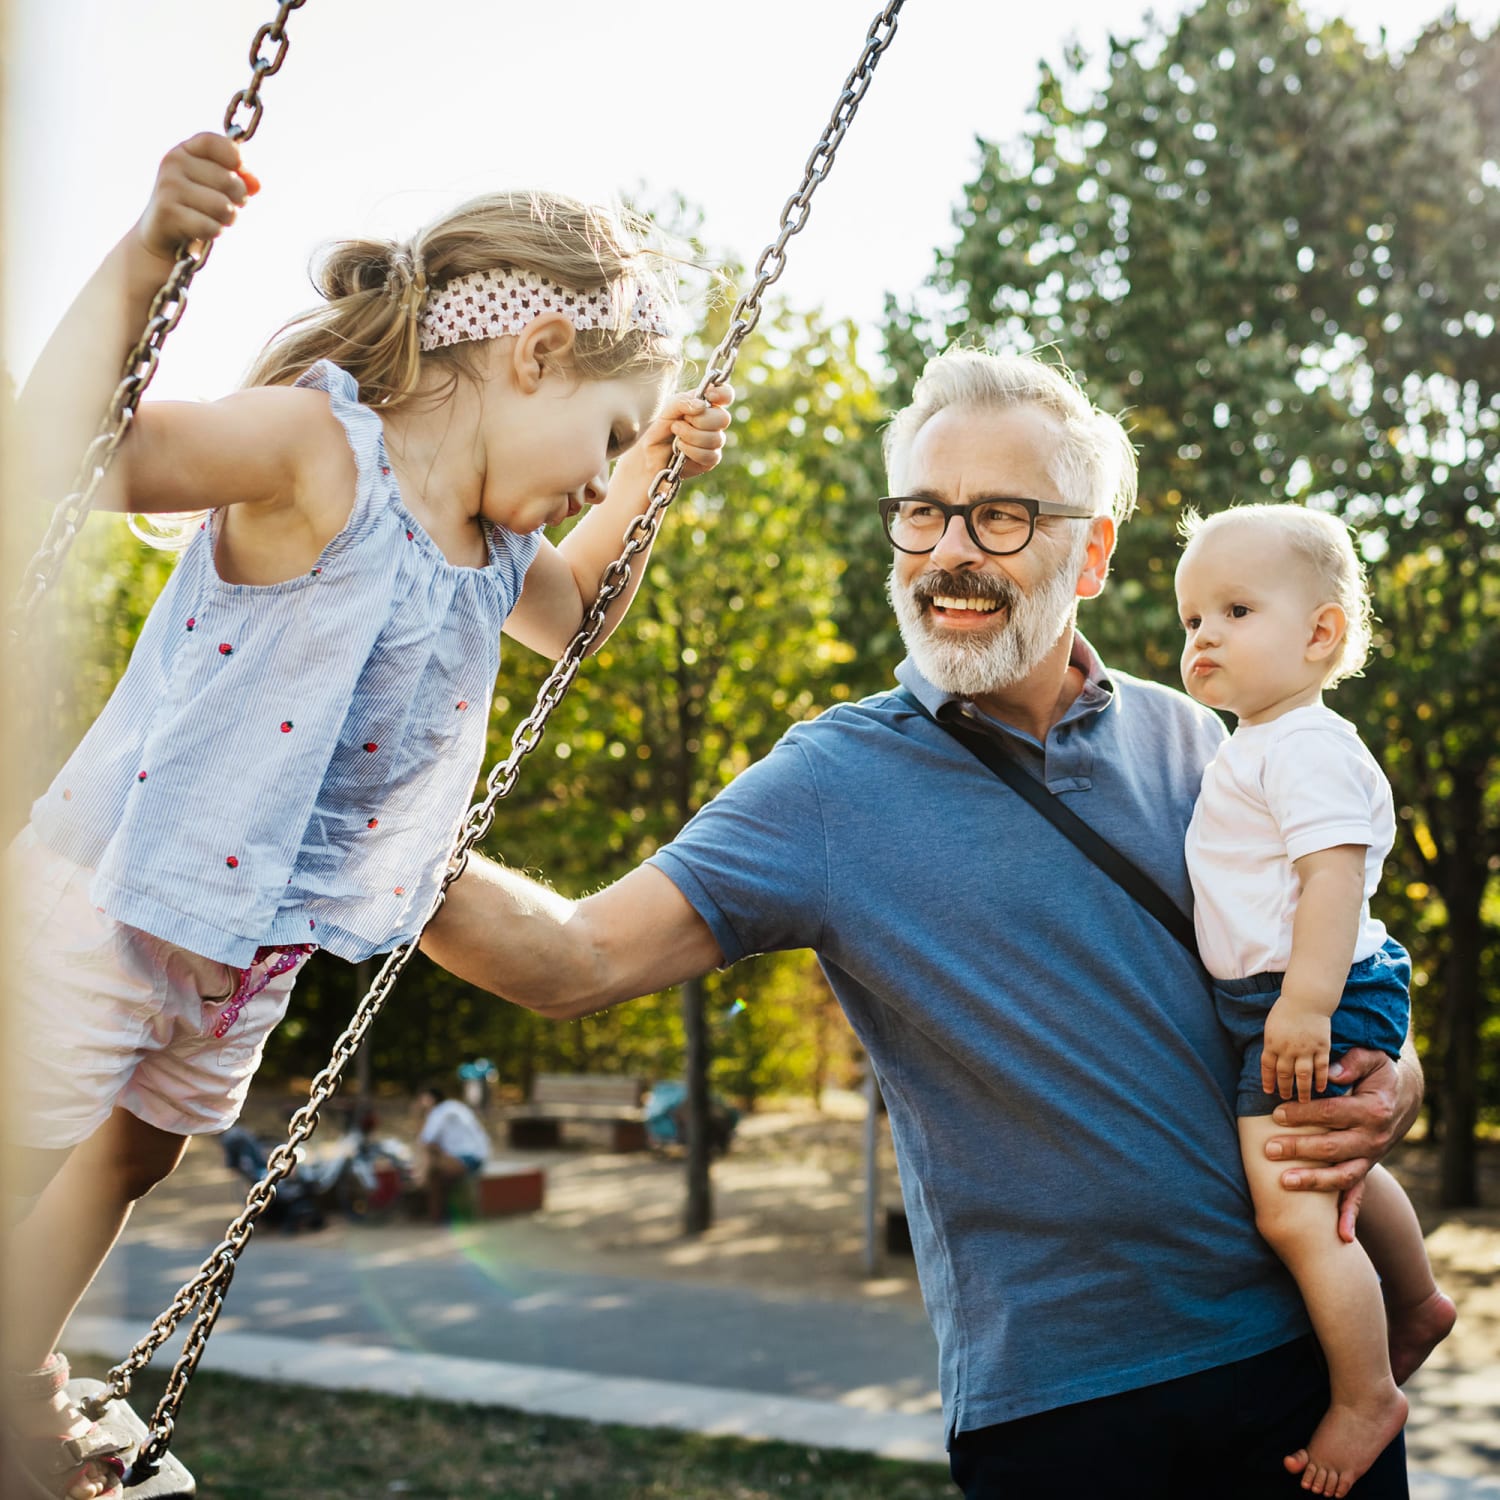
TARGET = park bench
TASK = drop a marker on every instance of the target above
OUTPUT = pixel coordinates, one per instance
(580, 1098)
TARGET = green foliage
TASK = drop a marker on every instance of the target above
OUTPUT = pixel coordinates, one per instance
(1277, 248)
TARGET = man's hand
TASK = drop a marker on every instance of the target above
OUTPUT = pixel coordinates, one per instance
(1295, 1049)
(1358, 1128)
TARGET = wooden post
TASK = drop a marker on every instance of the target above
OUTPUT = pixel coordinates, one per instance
(872, 1170)
(699, 1211)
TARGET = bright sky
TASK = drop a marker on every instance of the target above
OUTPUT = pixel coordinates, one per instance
(388, 111)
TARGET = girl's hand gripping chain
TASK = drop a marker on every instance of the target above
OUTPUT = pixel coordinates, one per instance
(699, 427)
(200, 188)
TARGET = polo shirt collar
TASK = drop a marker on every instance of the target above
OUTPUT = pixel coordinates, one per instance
(1097, 694)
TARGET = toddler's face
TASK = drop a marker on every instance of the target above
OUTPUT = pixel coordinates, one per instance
(1249, 607)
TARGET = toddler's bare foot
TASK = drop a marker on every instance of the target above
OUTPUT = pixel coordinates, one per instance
(1416, 1331)
(1348, 1440)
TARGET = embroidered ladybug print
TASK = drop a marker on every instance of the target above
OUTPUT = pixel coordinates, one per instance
(140, 775)
(317, 572)
(462, 704)
(385, 468)
(410, 536)
(232, 862)
(311, 924)
(371, 747)
(225, 649)
(373, 823)
(286, 726)
(400, 890)
(192, 620)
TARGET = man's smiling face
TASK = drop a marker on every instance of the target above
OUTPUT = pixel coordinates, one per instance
(974, 623)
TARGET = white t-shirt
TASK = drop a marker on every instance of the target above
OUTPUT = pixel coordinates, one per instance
(453, 1127)
(1274, 793)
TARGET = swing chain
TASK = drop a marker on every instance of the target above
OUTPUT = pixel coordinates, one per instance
(209, 1285)
(167, 308)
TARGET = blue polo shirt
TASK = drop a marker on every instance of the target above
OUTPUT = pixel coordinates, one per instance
(1060, 1091)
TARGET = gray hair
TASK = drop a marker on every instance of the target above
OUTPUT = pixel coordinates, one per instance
(1324, 545)
(1094, 462)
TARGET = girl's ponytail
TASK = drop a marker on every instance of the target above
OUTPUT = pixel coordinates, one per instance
(373, 292)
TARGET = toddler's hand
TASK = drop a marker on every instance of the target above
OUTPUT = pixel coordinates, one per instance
(1294, 1054)
(199, 189)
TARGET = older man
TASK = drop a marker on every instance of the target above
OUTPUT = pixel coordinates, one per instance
(1060, 1093)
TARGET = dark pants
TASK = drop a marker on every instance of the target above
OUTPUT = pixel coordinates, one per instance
(1222, 1432)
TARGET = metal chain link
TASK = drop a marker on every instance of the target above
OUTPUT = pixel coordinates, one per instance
(209, 1285)
(166, 312)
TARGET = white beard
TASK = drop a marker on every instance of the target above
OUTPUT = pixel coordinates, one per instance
(971, 665)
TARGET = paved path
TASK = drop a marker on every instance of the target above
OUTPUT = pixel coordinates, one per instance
(437, 1292)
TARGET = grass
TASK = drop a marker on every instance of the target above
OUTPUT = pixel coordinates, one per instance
(243, 1440)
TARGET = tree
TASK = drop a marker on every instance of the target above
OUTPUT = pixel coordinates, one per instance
(1277, 247)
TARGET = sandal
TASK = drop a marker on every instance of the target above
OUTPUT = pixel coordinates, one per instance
(50, 1465)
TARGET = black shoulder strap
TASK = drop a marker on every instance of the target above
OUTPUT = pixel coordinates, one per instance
(1128, 876)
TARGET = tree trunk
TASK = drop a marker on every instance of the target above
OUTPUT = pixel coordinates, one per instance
(698, 1212)
(1466, 871)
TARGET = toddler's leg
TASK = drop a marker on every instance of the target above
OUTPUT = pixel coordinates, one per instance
(1343, 1299)
(56, 1250)
(1418, 1315)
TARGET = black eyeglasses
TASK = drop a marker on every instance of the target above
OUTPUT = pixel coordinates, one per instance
(999, 527)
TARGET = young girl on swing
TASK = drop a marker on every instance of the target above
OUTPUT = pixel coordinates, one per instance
(290, 752)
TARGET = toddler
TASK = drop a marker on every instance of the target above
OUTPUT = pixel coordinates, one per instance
(1285, 847)
(288, 757)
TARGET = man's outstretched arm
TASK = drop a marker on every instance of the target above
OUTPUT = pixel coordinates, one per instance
(563, 958)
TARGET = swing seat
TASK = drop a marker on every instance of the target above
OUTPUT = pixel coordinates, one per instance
(119, 1422)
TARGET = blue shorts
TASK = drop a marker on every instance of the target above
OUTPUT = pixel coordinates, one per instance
(1375, 1012)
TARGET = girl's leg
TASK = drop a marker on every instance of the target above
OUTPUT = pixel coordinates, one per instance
(1343, 1299)
(56, 1250)
(1418, 1315)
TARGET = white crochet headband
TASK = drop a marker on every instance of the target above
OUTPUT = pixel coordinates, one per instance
(489, 304)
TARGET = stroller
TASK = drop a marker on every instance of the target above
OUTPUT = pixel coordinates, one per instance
(295, 1205)
(359, 1176)
(666, 1119)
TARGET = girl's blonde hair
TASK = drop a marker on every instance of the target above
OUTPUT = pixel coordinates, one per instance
(374, 291)
(1325, 547)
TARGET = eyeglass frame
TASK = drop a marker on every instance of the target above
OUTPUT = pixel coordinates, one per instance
(1034, 508)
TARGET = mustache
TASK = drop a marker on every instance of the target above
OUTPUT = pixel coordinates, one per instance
(965, 586)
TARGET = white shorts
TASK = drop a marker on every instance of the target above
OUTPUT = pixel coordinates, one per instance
(104, 1015)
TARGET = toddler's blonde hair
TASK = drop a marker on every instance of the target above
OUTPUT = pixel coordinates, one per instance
(1325, 547)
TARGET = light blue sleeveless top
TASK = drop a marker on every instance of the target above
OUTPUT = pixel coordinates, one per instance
(290, 763)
